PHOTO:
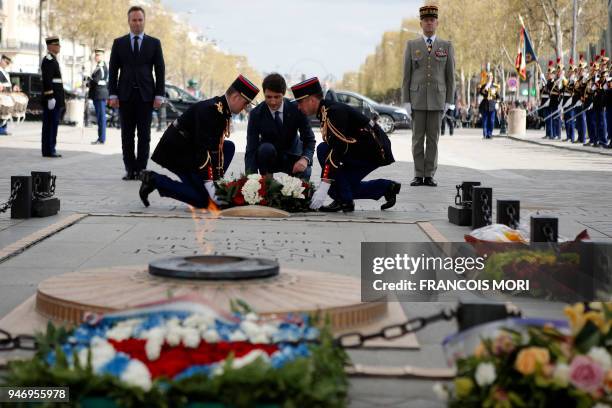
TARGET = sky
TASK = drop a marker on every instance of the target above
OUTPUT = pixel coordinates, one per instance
(311, 37)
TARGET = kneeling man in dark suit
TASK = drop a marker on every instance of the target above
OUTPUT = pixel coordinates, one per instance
(194, 148)
(273, 144)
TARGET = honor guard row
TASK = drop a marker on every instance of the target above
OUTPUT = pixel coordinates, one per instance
(195, 148)
(582, 98)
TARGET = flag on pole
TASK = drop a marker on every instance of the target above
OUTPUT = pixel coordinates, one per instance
(525, 53)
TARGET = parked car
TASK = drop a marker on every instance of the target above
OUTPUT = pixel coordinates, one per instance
(31, 84)
(388, 117)
(178, 101)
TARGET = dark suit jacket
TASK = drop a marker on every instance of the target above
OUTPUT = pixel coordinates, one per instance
(263, 129)
(193, 142)
(126, 71)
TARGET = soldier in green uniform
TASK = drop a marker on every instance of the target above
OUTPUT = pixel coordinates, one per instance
(427, 90)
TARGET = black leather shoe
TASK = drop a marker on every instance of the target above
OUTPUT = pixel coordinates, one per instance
(129, 176)
(391, 195)
(97, 142)
(336, 206)
(417, 181)
(52, 155)
(147, 186)
(429, 181)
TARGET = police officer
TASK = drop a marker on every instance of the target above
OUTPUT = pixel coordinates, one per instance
(490, 94)
(98, 93)
(5, 86)
(556, 100)
(194, 148)
(352, 147)
(52, 97)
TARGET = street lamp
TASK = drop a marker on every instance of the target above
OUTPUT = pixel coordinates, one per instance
(40, 6)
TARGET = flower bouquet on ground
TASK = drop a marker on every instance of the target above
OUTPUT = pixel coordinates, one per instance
(543, 365)
(182, 353)
(278, 191)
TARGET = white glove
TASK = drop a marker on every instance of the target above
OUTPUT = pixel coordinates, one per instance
(209, 185)
(319, 196)
(447, 106)
(51, 103)
(452, 106)
(409, 108)
(578, 104)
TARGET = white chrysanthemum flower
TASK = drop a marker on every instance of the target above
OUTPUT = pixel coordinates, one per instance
(251, 329)
(137, 374)
(101, 353)
(191, 337)
(250, 192)
(561, 374)
(153, 348)
(485, 374)
(601, 356)
(211, 336)
(173, 336)
(123, 330)
(254, 176)
(238, 335)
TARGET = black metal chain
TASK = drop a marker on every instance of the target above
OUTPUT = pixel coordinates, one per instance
(511, 211)
(19, 342)
(486, 210)
(14, 190)
(40, 191)
(356, 339)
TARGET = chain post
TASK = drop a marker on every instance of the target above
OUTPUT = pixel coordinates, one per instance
(21, 207)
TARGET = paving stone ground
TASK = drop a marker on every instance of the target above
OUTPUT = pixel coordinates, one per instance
(574, 185)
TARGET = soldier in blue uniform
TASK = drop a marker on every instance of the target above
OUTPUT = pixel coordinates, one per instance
(352, 147)
(545, 100)
(490, 94)
(599, 102)
(589, 96)
(568, 103)
(578, 99)
(194, 147)
(556, 101)
(98, 93)
(52, 97)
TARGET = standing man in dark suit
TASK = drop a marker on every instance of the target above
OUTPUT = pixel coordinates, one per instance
(52, 97)
(133, 89)
(98, 93)
(194, 147)
(272, 134)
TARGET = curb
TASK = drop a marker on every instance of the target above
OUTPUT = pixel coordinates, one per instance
(560, 147)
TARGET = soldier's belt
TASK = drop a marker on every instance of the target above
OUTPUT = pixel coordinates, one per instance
(102, 82)
(57, 80)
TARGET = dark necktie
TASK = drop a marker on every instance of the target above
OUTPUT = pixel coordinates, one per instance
(278, 120)
(136, 49)
(429, 45)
